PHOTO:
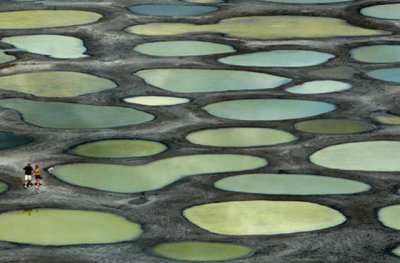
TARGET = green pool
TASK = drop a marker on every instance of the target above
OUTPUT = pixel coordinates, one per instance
(334, 126)
(119, 148)
(209, 80)
(182, 48)
(10, 140)
(262, 27)
(268, 109)
(32, 19)
(386, 11)
(378, 156)
(319, 87)
(58, 227)
(154, 175)
(201, 251)
(290, 184)
(157, 100)
(55, 83)
(278, 58)
(377, 54)
(54, 46)
(260, 217)
(240, 137)
(389, 216)
(4, 58)
(62, 115)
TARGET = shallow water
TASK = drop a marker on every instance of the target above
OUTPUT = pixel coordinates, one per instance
(157, 100)
(308, 1)
(54, 46)
(262, 217)
(334, 126)
(55, 83)
(387, 118)
(290, 184)
(201, 251)
(62, 115)
(3, 187)
(262, 27)
(389, 216)
(154, 175)
(319, 87)
(268, 109)
(119, 148)
(208, 80)
(58, 227)
(278, 58)
(182, 48)
(380, 156)
(10, 140)
(172, 10)
(205, 1)
(4, 58)
(31, 19)
(396, 251)
(240, 137)
(388, 74)
(377, 54)
(387, 11)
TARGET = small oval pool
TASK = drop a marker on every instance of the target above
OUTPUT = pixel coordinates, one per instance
(388, 74)
(334, 126)
(278, 58)
(10, 140)
(182, 48)
(377, 54)
(386, 11)
(319, 87)
(157, 100)
(260, 217)
(240, 137)
(268, 109)
(59, 227)
(290, 184)
(172, 10)
(119, 148)
(201, 251)
(55, 83)
(209, 80)
(54, 46)
(378, 156)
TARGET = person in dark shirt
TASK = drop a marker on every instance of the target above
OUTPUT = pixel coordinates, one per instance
(28, 175)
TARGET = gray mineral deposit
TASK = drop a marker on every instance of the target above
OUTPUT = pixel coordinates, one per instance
(262, 131)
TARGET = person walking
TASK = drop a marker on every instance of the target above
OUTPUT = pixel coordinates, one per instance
(38, 176)
(28, 175)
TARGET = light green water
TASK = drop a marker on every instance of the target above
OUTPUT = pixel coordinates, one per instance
(208, 80)
(182, 48)
(334, 126)
(268, 109)
(387, 11)
(205, 1)
(74, 116)
(240, 137)
(319, 87)
(262, 217)
(4, 58)
(389, 216)
(57, 227)
(172, 10)
(341, 72)
(396, 251)
(55, 83)
(55, 46)
(119, 148)
(201, 251)
(379, 156)
(278, 58)
(3, 187)
(31, 19)
(262, 27)
(308, 1)
(290, 184)
(377, 54)
(154, 175)
(157, 100)
(386, 74)
(387, 118)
